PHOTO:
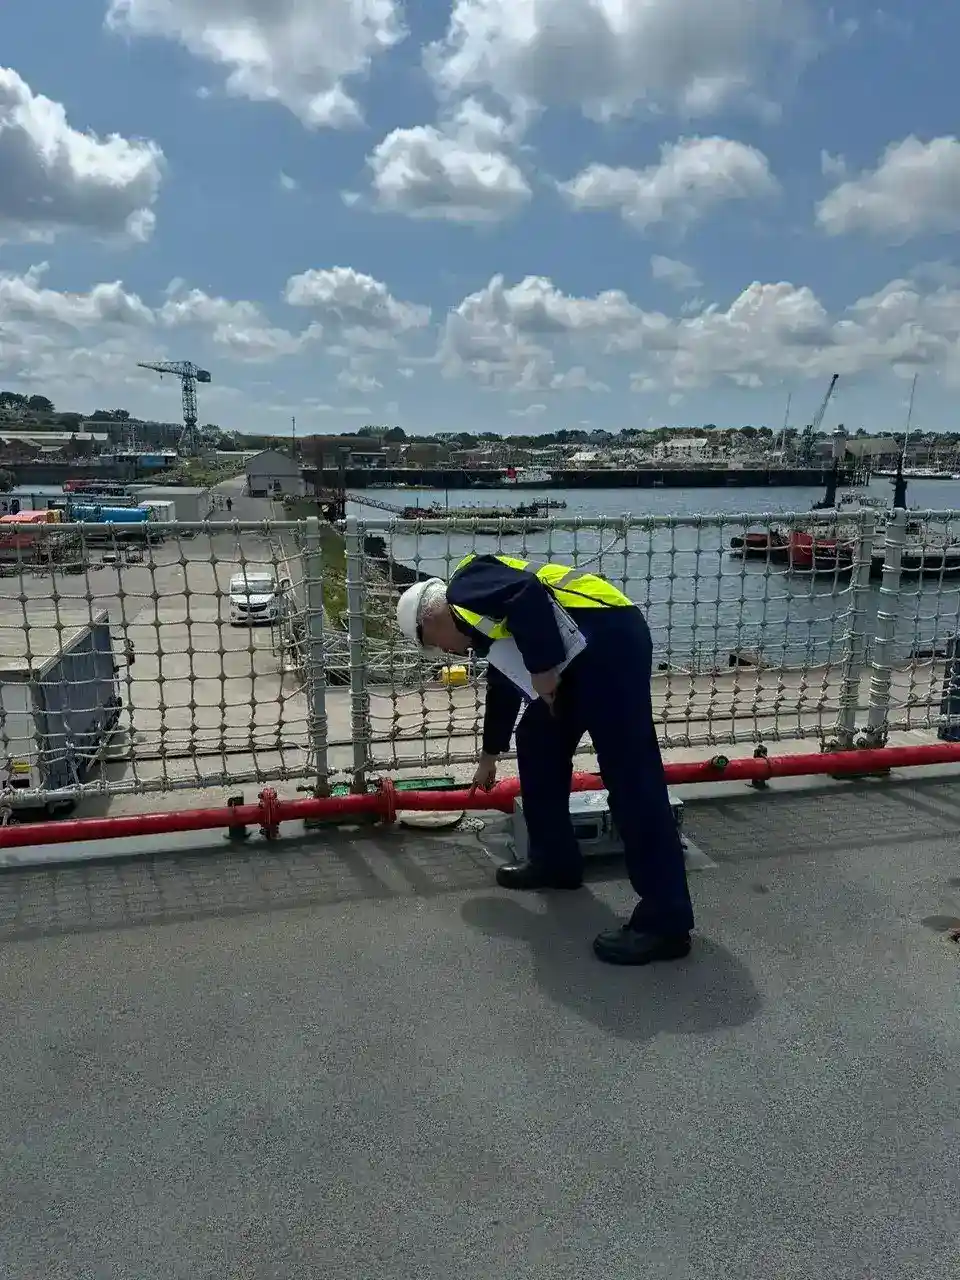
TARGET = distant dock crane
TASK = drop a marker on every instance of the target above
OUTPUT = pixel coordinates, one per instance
(810, 432)
(188, 446)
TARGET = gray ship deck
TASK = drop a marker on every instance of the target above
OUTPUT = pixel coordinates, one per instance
(351, 1055)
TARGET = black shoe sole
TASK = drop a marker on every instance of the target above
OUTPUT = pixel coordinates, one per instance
(669, 951)
(566, 886)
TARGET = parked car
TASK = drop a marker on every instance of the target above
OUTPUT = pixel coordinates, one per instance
(257, 596)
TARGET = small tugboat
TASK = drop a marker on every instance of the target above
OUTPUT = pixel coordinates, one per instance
(527, 478)
(777, 543)
(502, 515)
(772, 544)
(833, 549)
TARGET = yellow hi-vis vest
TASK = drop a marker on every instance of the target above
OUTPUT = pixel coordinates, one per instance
(571, 588)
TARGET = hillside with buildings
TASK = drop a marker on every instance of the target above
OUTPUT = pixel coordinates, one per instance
(36, 437)
(665, 447)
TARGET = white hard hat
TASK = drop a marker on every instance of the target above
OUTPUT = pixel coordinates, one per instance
(409, 608)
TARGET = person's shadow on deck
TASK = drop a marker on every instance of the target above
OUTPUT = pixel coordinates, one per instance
(709, 990)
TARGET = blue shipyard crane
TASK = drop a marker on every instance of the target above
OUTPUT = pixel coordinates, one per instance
(188, 446)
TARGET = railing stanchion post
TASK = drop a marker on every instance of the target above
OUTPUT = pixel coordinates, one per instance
(316, 676)
(856, 641)
(884, 645)
(357, 638)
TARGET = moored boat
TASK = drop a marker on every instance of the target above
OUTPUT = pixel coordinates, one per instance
(772, 544)
(835, 548)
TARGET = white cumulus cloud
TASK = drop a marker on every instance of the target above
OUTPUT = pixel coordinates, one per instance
(529, 338)
(260, 344)
(23, 298)
(299, 53)
(915, 189)
(357, 381)
(54, 177)
(193, 306)
(237, 327)
(611, 57)
(460, 171)
(354, 301)
(536, 305)
(576, 379)
(694, 175)
(832, 166)
(499, 339)
(63, 337)
(504, 335)
(678, 275)
(776, 330)
(51, 339)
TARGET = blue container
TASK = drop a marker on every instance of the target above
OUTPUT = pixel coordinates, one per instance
(109, 515)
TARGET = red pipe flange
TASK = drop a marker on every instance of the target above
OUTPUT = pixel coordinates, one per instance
(270, 814)
(389, 794)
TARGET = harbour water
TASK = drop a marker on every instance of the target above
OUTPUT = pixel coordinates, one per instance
(702, 602)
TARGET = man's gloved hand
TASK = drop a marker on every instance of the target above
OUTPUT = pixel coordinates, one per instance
(486, 774)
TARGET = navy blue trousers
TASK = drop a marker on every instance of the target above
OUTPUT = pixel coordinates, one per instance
(606, 692)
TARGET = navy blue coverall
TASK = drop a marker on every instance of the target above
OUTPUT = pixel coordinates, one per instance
(604, 692)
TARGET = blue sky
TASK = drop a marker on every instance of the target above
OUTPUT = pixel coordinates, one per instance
(504, 215)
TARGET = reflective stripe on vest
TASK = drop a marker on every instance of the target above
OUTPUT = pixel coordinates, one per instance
(570, 587)
(486, 626)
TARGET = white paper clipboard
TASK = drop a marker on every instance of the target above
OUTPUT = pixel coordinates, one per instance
(505, 655)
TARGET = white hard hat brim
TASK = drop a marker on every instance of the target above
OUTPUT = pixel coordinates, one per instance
(408, 610)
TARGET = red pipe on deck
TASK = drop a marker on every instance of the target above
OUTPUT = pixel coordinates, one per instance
(385, 802)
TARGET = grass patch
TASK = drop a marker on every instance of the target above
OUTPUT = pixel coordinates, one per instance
(334, 580)
(194, 472)
(300, 508)
(334, 554)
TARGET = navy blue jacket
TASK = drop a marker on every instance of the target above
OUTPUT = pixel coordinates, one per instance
(521, 600)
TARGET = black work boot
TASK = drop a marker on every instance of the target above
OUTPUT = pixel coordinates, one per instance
(533, 875)
(640, 945)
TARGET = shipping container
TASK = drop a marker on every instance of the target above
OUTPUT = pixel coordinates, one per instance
(108, 515)
(102, 500)
(110, 524)
(59, 699)
(24, 539)
(159, 511)
(192, 503)
(94, 486)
